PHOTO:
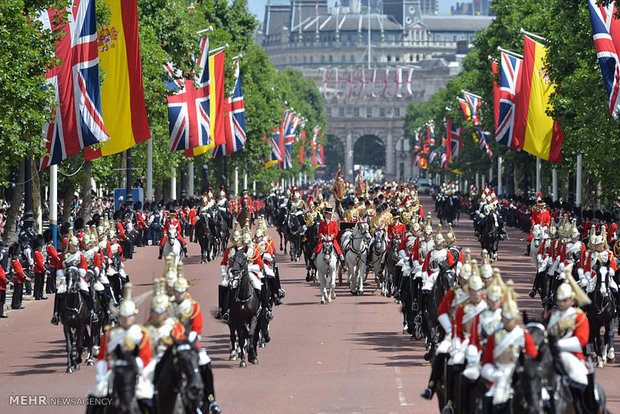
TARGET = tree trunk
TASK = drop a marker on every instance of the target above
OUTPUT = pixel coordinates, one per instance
(12, 215)
(36, 198)
(68, 193)
(87, 195)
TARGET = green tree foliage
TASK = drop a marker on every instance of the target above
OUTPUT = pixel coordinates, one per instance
(580, 103)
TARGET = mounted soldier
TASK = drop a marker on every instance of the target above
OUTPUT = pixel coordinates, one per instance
(172, 222)
(540, 215)
(225, 266)
(328, 229)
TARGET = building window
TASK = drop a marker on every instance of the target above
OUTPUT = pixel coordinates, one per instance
(397, 112)
(382, 112)
(334, 112)
(322, 59)
(304, 59)
(341, 112)
(368, 112)
(356, 112)
(330, 59)
(310, 58)
(397, 58)
(389, 58)
(351, 58)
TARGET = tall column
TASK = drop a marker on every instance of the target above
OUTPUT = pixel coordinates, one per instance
(53, 203)
(236, 181)
(499, 176)
(149, 170)
(579, 189)
(389, 155)
(554, 183)
(245, 180)
(483, 182)
(491, 175)
(538, 179)
(478, 181)
(348, 156)
(254, 186)
(173, 185)
(190, 173)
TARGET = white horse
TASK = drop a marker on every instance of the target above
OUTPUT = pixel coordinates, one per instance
(539, 233)
(326, 263)
(355, 245)
(173, 245)
(379, 245)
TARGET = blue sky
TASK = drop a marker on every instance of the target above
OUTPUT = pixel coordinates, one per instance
(258, 6)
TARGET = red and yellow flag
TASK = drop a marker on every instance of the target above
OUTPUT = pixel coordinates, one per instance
(537, 132)
(216, 108)
(122, 92)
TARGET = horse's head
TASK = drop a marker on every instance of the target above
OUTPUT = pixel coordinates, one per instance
(363, 229)
(172, 234)
(72, 276)
(185, 355)
(125, 377)
(240, 264)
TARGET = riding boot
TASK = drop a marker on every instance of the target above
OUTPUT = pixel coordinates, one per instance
(161, 251)
(185, 249)
(221, 292)
(57, 298)
(262, 294)
(226, 305)
(281, 292)
(527, 250)
(578, 391)
(536, 285)
(209, 390)
(273, 288)
(90, 302)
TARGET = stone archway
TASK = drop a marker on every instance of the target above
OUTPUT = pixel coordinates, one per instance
(369, 150)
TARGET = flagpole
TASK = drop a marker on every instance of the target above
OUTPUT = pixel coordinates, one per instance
(538, 178)
(499, 176)
(236, 181)
(245, 180)
(554, 183)
(173, 185)
(535, 36)
(219, 49)
(190, 173)
(510, 52)
(149, 170)
(578, 191)
(53, 203)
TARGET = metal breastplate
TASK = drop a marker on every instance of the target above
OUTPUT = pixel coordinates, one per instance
(160, 336)
(490, 322)
(72, 260)
(562, 324)
(511, 354)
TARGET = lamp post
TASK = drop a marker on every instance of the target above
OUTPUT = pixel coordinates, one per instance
(28, 226)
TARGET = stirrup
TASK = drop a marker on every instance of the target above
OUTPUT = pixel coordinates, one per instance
(226, 317)
(54, 320)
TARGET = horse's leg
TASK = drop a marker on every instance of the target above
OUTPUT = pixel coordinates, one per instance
(609, 340)
(252, 341)
(322, 279)
(242, 336)
(233, 344)
(69, 347)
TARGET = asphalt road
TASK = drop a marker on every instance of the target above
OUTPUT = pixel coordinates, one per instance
(348, 356)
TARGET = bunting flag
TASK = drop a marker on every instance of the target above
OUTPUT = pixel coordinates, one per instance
(324, 79)
(321, 159)
(314, 146)
(505, 105)
(606, 33)
(398, 83)
(234, 112)
(473, 102)
(386, 81)
(349, 89)
(188, 106)
(371, 88)
(122, 92)
(337, 87)
(274, 143)
(362, 83)
(217, 134)
(539, 134)
(465, 109)
(454, 141)
(303, 144)
(444, 161)
(483, 137)
(409, 78)
(78, 122)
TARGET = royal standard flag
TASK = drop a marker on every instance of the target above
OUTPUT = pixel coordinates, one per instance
(539, 134)
(122, 92)
(216, 102)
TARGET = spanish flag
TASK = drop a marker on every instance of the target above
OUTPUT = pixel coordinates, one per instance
(216, 102)
(122, 93)
(536, 132)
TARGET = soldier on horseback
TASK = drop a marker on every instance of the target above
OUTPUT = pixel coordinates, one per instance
(225, 266)
(328, 229)
(129, 336)
(172, 222)
(267, 248)
(255, 269)
(540, 215)
(188, 312)
(73, 258)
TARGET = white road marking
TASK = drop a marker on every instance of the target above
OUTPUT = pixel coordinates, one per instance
(399, 382)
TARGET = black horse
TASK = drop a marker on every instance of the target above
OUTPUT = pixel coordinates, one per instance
(601, 314)
(295, 229)
(445, 280)
(207, 235)
(309, 243)
(391, 272)
(281, 226)
(489, 235)
(244, 312)
(75, 317)
(178, 384)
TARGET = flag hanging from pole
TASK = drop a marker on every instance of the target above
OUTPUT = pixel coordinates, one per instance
(122, 92)
(274, 143)
(371, 89)
(362, 83)
(409, 78)
(510, 72)
(496, 92)
(539, 134)
(349, 89)
(386, 82)
(217, 135)
(189, 106)
(606, 33)
(234, 112)
(473, 102)
(78, 121)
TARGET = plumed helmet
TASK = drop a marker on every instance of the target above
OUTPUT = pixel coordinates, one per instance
(510, 310)
(450, 236)
(486, 271)
(73, 241)
(475, 283)
(236, 236)
(428, 225)
(258, 233)
(466, 270)
(170, 275)
(439, 239)
(496, 289)
(574, 231)
(181, 285)
(570, 289)
(160, 302)
(128, 306)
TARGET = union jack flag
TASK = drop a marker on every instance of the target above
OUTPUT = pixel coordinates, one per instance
(604, 30)
(235, 120)
(274, 143)
(444, 161)
(189, 107)
(78, 122)
(508, 82)
(484, 144)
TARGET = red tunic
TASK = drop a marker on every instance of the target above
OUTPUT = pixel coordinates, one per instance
(18, 272)
(83, 263)
(427, 260)
(39, 264)
(487, 355)
(3, 279)
(52, 256)
(328, 229)
(120, 230)
(144, 348)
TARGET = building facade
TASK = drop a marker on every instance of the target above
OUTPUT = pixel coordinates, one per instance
(369, 65)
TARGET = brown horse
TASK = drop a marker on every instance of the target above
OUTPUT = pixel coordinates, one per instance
(245, 215)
